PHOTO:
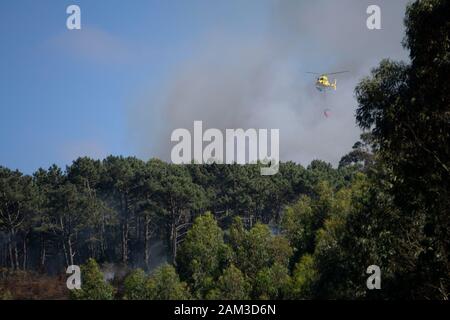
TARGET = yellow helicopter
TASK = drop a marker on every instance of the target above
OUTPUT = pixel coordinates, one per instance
(323, 83)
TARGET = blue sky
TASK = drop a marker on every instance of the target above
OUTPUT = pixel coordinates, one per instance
(59, 98)
(65, 94)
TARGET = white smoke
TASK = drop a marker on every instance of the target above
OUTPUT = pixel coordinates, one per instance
(247, 81)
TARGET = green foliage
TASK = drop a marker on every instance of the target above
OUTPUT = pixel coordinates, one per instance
(202, 253)
(93, 285)
(280, 250)
(6, 295)
(165, 284)
(257, 248)
(263, 258)
(406, 108)
(362, 155)
(297, 224)
(304, 278)
(232, 285)
(338, 253)
(272, 283)
(301, 220)
(135, 286)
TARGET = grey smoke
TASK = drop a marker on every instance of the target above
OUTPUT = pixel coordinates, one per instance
(247, 81)
(158, 254)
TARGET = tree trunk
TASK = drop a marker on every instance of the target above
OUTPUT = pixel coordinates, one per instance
(173, 236)
(66, 257)
(125, 229)
(43, 254)
(102, 237)
(24, 262)
(10, 251)
(146, 241)
(125, 242)
(15, 251)
(63, 241)
(71, 252)
(16, 256)
(138, 227)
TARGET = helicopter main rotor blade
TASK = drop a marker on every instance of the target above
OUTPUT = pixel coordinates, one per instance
(337, 72)
(313, 72)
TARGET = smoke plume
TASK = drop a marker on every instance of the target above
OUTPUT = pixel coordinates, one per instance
(250, 80)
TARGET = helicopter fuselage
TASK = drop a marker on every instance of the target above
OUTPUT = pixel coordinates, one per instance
(323, 83)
